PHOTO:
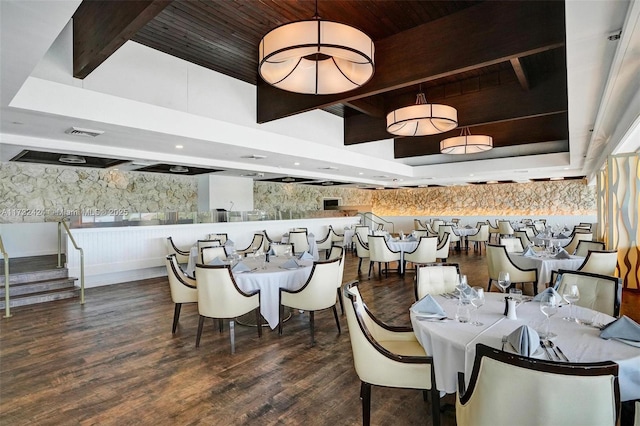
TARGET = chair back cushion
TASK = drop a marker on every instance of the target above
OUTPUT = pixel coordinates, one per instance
(598, 292)
(299, 241)
(512, 244)
(425, 252)
(436, 278)
(183, 288)
(600, 262)
(282, 249)
(583, 247)
(362, 250)
(319, 292)
(379, 251)
(219, 295)
(209, 253)
(573, 244)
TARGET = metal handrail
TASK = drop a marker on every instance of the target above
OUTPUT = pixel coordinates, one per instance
(62, 223)
(7, 308)
(382, 221)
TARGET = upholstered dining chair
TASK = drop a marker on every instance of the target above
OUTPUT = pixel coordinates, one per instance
(513, 245)
(184, 289)
(425, 252)
(505, 228)
(481, 237)
(363, 232)
(540, 225)
(299, 240)
(436, 278)
(380, 252)
(282, 249)
(337, 252)
(388, 356)
(584, 246)
(207, 254)
(601, 262)
(362, 250)
(453, 235)
(318, 293)
(269, 239)
(602, 293)
(442, 251)
(577, 237)
(254, 246)
(435, 224)
(493, 230)
(324, 244)
(500, 379)
(431, 232)
(498, 260)
(182, 255)
(207, 243)
(422, 233)
(219, 297)
(531, 231)
(222, 237)
(524, 238)
(336, 236)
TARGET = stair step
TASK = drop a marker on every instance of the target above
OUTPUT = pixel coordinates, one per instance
(43, 275)
(38, 286)
(32, 299)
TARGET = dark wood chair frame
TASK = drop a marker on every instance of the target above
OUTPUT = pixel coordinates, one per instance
(246, 250)
(618, 284)
(363, 244)
(386, 267)
(176, 249)
(535, 283)
(566, 368)
(365, 388)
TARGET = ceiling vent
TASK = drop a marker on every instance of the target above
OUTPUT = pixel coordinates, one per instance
(78, 131)
(72, 159)
(329, 168)
(288, 179)
(253, 175)
(254, 157)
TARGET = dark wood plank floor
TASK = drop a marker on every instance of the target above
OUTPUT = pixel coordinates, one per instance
(115, 361)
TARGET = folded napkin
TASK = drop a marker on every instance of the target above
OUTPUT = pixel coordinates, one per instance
(547, 291)
(525, 340)
(305, 256)
(271, 252)
(561, 235)
(541, 235)
(240, 267)
(427, 306)
(412, 238)
(467, 226)
(290, 264)
(310, 235)
(622, 328)
(217, 261)
(562, 254)
(529, 252)
(228, 243)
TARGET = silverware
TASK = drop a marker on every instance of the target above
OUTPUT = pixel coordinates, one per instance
(504, 341)
(546, 350)
(562, 355)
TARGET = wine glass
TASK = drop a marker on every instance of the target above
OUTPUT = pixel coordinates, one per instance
(549, 307)
(504, 281)
(461, 285)
(477, 300)
(516, 294)
(571, 294)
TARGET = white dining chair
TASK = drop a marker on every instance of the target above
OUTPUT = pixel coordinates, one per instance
(184, 289)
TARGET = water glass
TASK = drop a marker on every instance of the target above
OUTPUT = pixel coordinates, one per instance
(504, 281)
(516, 294)
(463, 311)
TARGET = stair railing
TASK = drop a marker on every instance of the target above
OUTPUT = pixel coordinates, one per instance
(63, 224)
(375, 219)
(7, 308)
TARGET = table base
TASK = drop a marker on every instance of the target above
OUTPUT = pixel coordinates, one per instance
(249, 319)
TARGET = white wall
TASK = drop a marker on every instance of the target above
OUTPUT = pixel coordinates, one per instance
(30, 239)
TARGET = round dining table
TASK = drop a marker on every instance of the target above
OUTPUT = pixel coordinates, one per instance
(453, 344)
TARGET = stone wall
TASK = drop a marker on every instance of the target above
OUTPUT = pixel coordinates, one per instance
(274, 197)
(37, 193)
(570, 197)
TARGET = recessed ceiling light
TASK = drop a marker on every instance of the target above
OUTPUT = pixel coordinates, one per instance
(72, 159)
(566, 168)
(328, 168)
(470, 174)
(557, 178)
(178, 169)
(179, 146)
(492, 181)
(296, 164)
(361, 173)
(327, 183)
(288, 179)
(381, 177)
(78, 131)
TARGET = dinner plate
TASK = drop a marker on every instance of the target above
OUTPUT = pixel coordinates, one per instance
(628, 342)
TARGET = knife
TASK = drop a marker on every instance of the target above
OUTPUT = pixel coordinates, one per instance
(546, 350)
(554, 347)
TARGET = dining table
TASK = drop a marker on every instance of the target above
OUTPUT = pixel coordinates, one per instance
(463, 233)
(453, 344)
(402, 246)
(545, 264)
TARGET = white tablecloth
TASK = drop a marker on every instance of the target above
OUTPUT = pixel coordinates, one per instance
(545, 265)
(270, 281)
(348, 237)
(313, 248)
(453, 344)
(402, 246)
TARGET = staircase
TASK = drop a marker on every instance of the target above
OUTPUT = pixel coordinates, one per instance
(36, 279)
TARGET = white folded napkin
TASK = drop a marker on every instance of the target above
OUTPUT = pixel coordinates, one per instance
(622, 328)
(412, 238)
(427, 306)
(562, 236)
(290, 264)
(467, 226)
(525, 340)
(217, 261)
(547, 291)
(240, 267)
(228, 243)
(310, 235)
(562, 254)
(529, 252)
(305, 256)
(271, 252)
(541, 235)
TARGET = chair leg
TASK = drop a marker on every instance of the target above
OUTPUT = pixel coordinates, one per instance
(435, 399)
(359, 265)
(370, 266)
(232, 335)
(335, 315)
(311, 326)
(280, 316)
(200, 324)
(365, 396)
(176, 316)
(220, 324)
(489, 285)
(340, 300)
(259, 321)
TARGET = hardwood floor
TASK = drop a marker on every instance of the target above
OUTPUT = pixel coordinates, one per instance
(115, 361)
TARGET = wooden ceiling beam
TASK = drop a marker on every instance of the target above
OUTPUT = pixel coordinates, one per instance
(373, 106)
(479, 36)
(100, 27)
(518, 68)
(494, 104)
(547, 128)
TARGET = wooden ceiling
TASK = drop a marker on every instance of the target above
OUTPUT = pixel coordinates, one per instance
(502, 65)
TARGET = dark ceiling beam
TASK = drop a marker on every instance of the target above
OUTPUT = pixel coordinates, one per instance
(101, 27)
(494, 104)
(547, 128)
(521, 74)
(481, 35)
(373, 106)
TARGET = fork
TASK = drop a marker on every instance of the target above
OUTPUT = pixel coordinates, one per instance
(559, 353)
